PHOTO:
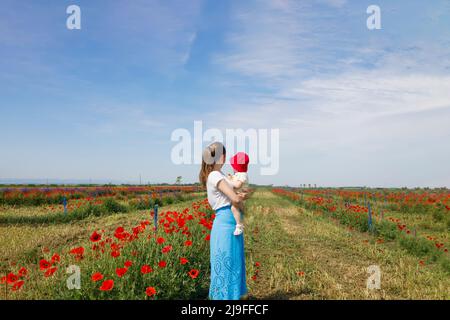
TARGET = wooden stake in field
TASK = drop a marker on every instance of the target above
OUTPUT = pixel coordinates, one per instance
(65, 205)
(155, 217)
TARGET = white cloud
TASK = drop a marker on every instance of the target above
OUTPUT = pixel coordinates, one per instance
(265, 41)
(353, 111)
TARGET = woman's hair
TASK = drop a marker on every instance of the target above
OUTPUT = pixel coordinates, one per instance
(211, 155)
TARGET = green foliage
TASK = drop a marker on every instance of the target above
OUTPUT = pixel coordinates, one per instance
(168, 200)
(386, 230)
(170, 282)
(112, 206)
(419, 247)
(438, 216)
(445, 264)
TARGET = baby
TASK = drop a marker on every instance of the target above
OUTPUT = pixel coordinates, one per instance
(239, 181)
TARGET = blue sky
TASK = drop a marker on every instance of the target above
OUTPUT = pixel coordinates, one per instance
(353, 106)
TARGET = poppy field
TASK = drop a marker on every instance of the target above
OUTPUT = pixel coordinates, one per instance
(300, 244)
(162, 255)
(420, 222)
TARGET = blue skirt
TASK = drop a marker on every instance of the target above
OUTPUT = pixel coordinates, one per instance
(228, 280)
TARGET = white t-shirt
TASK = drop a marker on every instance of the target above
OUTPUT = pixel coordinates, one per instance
(215, 197)
(242, 177)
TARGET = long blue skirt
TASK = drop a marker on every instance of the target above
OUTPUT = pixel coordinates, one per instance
(228, 280)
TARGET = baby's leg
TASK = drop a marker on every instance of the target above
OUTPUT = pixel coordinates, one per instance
(236, 214)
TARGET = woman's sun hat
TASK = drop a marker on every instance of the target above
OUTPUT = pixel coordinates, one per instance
(240, 161)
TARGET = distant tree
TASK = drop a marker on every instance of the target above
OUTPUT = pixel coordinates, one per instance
(178, 181)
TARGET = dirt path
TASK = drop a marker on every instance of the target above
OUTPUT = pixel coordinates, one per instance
(306, 256)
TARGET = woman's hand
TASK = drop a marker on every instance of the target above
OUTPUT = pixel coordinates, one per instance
(244, 195)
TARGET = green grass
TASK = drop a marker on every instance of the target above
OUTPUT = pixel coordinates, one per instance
(292, 252)
(140, 247)
(387, 230)
(334, 259)
(108, 207)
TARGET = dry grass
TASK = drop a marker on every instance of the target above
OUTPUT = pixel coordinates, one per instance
(286, 240)
(334, 260)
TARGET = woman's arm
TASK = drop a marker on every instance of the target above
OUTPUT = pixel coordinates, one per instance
(225, 188)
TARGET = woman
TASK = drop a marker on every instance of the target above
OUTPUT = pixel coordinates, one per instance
(228, 280)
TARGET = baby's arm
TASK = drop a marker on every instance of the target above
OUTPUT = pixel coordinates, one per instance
(234, 182)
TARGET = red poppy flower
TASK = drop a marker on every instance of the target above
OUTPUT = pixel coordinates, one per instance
(257, 264)
(301, 273)
(44, 264)
(254, 277)
(188, 243)
(79, 251)
(121, 272)
(146, 269)
(22, 272)
(120, 230)
(162, 264)
(50, 272)
(17, 285)
(166, 249)
(120, 233)
(96, 277)
(208, 237)
(95, 236)
(193, 273)
(184, 260)
(55, 258)
(136, 230)
(439, 245)
(160, 240)
(150, 291)
(128, 263)
(115, 253)
(11, 278)
(107, 285)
